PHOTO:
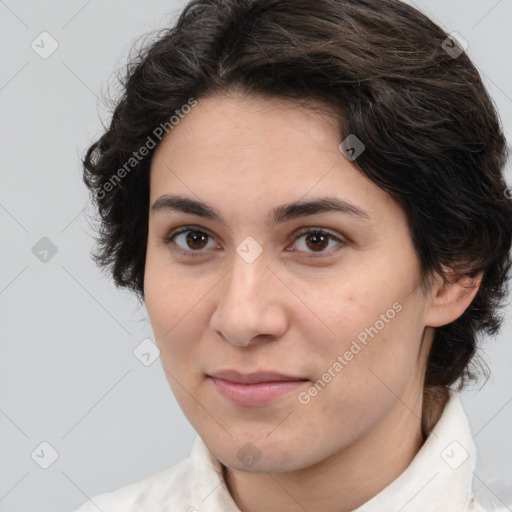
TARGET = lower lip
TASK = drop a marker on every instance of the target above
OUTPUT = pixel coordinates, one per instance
(253, 395)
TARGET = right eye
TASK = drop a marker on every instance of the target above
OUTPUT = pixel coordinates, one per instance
(188, 240)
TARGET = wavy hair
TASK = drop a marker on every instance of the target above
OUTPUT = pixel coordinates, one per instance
(432, 135)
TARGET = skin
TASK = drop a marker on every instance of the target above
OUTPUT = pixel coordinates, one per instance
(245, 155)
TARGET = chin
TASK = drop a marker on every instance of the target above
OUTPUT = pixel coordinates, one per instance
(252, 455)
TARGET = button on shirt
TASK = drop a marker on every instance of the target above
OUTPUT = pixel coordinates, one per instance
(438, 479)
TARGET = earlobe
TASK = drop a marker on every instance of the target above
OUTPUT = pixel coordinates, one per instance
(448, 299)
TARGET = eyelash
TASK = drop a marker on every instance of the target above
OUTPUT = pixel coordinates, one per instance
(200, 253)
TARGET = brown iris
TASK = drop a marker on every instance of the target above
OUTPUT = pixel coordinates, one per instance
(196, 237)
(320, 240)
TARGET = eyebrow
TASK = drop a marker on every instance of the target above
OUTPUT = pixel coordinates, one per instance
(279, 214)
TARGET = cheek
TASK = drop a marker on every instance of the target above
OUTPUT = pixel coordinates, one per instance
(370, 361)
(176, 327)
(374, 322)
(173, 304)
(349, 305)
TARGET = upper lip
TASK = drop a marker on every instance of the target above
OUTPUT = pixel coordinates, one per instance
(252, 378)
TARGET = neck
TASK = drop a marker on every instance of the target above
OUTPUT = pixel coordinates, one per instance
(348, 478)
(434, 400)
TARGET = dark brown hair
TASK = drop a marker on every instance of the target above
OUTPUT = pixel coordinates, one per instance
(432, 136)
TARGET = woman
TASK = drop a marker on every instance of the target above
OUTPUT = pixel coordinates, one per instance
(308, 198)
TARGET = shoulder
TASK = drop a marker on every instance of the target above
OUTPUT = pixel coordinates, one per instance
(156, 492)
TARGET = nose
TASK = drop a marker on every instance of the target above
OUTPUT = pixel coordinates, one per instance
(251, 305)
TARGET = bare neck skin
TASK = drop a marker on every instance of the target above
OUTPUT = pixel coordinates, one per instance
(349, 478)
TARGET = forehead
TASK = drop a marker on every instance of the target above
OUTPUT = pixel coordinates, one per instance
(254, 124)
(259, 150)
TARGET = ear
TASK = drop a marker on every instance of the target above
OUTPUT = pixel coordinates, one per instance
(448, 299)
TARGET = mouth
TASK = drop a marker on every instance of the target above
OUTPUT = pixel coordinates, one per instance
(254, 389)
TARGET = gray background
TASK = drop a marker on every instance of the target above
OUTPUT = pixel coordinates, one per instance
(68, 374)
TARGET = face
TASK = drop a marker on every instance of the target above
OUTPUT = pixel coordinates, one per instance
(327, 298)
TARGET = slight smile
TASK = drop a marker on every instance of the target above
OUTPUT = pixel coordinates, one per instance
(255, 389)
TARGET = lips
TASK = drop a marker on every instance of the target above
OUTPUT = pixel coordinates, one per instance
(254, 389)
(253, 378)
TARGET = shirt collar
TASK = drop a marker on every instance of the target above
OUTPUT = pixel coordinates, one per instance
(440, 475)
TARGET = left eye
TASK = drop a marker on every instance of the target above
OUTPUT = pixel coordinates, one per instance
(318, 240)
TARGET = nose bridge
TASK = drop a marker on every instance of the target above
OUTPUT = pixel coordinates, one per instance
(248, 303)
(246, 280)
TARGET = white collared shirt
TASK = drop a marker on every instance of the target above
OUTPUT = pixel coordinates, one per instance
(438, 479)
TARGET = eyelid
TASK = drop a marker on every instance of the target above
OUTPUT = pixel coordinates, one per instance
(314, 229)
